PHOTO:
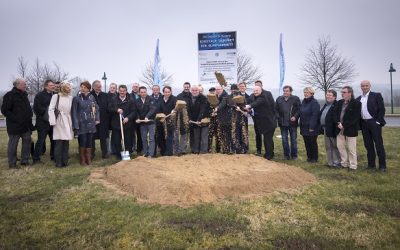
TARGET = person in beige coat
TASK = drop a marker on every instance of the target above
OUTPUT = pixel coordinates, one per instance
(62, 124)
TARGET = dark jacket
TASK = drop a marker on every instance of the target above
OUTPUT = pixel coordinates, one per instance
(376, 107)
(285, 109)
(146, 110)
(40, 108)
(330, 125)
(224, 113)
(166, 107)
(102, 129)
(309, 117)
(17, 110)
(129, 108)
(133, 96)
(158, 99)
(264, 112)
(351, 117)
(199, 109)
(83, 118)
(185, 96)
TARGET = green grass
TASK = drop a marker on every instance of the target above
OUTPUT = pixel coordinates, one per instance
(43, 207)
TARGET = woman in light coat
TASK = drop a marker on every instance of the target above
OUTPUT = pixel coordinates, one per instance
(62, 125)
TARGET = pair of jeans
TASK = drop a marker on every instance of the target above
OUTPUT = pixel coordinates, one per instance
(148, 144)
(85, 140)
(286, 131)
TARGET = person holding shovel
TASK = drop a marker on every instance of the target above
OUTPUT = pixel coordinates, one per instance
(122, 107)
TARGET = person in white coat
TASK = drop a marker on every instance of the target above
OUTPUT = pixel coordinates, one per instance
(61, 103)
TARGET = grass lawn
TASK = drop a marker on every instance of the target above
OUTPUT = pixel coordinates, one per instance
(43, 207)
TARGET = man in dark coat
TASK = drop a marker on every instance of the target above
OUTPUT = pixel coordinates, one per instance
(181, 145)
(271, 118)
(136, 139)
(263, 105)
(198, 109)
(41, 108)
(224, 122)
(287, 112)
(146, 111)
(102, 129)
(111, 95)
(166, 106)
(122, 105)
(372, 121)
(157, 97)
(17, 110)
(347, 117)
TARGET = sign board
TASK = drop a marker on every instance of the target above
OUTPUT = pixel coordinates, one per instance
(217, 52)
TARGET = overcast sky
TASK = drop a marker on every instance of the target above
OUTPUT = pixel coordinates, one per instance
(119, 37)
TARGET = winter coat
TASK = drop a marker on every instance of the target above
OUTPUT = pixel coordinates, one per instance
(146, 110)
(351, 118)
(130, 112)
(199, 109)
(286, 109)
(264, 112)
(62, 126)
(224, 113)
(309, 117)
(85, 114)
(17, 110)
(330, 125)
(102, 129)
(40, 108)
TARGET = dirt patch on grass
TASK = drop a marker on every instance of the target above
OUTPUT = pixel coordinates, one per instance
(193, 179)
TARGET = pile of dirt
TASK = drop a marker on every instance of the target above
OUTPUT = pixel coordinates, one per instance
(192, 179)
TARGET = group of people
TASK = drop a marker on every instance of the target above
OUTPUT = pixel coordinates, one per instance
(138, 121)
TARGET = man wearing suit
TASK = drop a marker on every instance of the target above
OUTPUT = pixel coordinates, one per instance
(102, 129)
(270, 102)
(372, 121)
(264, 116)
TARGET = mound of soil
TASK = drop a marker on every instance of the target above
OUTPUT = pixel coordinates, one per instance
(192, 179)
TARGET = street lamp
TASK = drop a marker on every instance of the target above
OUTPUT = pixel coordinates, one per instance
(391, 70)
(105, 82)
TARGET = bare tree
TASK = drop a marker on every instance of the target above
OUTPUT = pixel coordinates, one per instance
(246, 70)
(148, 75)
(22, 67)
(325, 68)
(37, 74)
(34, 79)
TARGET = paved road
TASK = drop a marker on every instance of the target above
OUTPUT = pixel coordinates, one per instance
(391, 122)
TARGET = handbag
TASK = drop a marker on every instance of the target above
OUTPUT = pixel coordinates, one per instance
(56, 111)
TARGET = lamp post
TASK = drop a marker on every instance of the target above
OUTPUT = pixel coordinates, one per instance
(105, 82)
(391, 70)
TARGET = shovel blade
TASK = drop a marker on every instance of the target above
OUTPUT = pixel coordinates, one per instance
(125, 155)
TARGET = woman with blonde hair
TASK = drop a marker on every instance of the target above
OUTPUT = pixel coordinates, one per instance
(60, 119)
(309, 124)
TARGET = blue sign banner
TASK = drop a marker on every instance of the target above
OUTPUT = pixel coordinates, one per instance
(217, 40)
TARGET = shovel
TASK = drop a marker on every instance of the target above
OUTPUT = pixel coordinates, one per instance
(124, 154)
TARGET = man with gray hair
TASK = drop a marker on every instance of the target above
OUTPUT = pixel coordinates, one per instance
(17, 110)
